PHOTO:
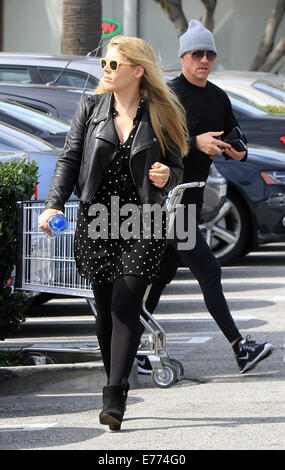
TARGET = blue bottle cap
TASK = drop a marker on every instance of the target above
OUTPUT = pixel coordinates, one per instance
(60, 223)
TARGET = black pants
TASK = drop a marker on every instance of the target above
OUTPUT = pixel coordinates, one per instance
(118, 307)
(205, 267)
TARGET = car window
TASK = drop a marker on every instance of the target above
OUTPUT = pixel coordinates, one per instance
(20, 75)
(11, 137)
(67, 78)
(271, 89)
(34, 118)
(245, 106)
(33, 104)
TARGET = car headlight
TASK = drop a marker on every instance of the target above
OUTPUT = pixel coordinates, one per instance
(273, 177)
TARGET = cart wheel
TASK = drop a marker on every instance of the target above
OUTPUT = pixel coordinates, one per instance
(165, 377)
(178, 367)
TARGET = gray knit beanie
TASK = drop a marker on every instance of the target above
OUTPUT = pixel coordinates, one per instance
(196, 37)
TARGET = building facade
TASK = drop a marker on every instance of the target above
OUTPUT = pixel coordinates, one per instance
(36, 26)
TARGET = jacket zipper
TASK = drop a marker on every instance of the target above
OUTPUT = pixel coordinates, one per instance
(131, 157)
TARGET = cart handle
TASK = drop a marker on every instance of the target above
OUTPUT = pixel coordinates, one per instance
(175, 195)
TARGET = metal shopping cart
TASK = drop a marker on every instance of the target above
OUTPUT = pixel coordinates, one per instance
(48, 265)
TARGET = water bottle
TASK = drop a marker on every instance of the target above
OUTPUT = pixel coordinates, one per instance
(58, 224)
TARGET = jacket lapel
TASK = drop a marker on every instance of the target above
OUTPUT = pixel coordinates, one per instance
(145, 136)
(104, 126)
(103, 120)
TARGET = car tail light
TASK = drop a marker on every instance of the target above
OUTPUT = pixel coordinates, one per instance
(282, 139)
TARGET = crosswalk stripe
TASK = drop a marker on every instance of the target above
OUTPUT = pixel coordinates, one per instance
(26, 427)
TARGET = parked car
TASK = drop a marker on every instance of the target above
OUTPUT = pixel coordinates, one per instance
(268, 83)
(270, 88)
(58, 102)
(260, 127)
(255, 213)
(66, 70)
(19, 144)
(34, 122)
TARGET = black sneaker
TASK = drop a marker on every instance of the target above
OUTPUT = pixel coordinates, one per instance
(144, 365)
(250, 353)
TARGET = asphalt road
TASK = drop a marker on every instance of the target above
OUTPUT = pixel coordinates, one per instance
(212, 408)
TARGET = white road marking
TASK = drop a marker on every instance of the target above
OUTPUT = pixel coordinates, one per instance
(189, 339)
(26, 427)
(199, 339)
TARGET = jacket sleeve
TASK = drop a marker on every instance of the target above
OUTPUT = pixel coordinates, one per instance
(68, 165)
(173, 160)
(230, 123)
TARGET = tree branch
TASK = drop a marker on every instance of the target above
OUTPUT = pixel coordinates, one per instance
(267, 41)
(274, 56)
(208, 15)
(174, 11)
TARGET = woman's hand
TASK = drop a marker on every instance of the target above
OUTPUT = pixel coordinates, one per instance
(159, 174)
(44, 218)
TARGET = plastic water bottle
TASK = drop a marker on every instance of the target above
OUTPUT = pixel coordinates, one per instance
(58, 224)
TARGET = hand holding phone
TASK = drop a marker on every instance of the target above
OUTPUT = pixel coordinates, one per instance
(238, 145)
(236, 139)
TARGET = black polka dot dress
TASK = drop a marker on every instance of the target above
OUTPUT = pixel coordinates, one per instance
(103, 249)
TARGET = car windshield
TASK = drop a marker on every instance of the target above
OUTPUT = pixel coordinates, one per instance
(16, 139)
(35, 118)
(246, 106)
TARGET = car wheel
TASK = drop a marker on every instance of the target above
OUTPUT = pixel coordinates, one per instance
(227, 233)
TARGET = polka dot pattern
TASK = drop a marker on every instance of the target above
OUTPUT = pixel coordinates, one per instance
(105, 258)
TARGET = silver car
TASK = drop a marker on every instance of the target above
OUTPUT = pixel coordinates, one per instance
(67, 70)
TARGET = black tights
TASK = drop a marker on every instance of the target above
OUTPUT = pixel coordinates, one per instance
(118, 306)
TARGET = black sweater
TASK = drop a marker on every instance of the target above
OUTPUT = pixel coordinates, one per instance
(207, 109)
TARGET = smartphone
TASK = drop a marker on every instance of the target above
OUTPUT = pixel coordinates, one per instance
(238, 145)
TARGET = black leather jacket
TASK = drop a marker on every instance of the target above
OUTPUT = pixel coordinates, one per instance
(90, 147)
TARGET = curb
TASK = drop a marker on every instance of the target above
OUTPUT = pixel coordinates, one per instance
(87, 377)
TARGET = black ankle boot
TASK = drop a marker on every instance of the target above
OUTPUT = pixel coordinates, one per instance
(114, 405)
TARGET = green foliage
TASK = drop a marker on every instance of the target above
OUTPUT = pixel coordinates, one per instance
(274, 109)
(8, 359)
(16, 184)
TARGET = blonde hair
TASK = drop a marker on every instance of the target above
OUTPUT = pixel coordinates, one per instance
(166, 112)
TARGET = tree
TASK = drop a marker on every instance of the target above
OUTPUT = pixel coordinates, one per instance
(81, 26)
(174, 11)
(267, 56)
(208, 15)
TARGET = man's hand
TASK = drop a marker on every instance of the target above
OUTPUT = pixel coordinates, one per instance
(208, 144)
(234, 154)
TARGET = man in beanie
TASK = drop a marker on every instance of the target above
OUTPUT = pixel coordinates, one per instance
(209, 118)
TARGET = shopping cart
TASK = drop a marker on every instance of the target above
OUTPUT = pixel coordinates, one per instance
(48, 265)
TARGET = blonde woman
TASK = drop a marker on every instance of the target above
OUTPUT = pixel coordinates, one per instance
(125, 146)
